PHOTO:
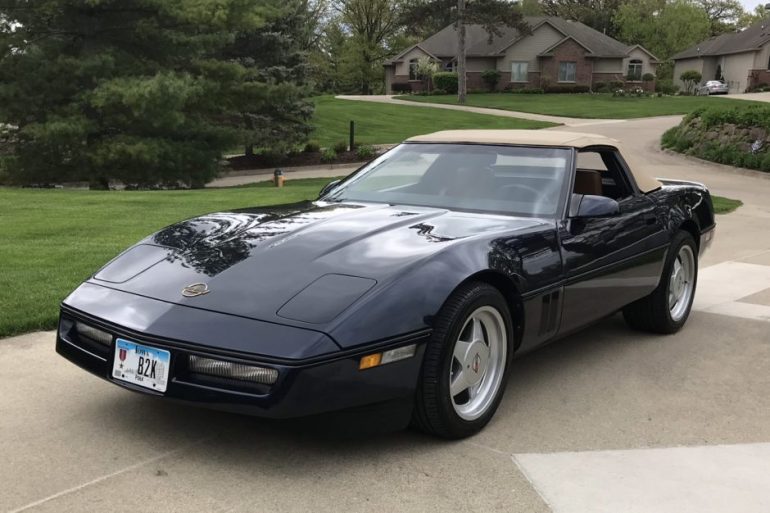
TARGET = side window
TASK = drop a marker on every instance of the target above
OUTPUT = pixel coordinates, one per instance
(600, 173)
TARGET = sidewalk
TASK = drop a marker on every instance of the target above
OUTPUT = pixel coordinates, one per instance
(571, 122)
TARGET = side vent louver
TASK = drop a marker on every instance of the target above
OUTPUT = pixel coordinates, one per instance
(549, 313)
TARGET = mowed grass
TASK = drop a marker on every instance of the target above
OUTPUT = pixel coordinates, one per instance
(381, 123)
(725, 205)
(595, 106)
(51, 240)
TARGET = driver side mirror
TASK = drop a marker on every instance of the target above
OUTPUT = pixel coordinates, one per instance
(586, 206)
(328, 187)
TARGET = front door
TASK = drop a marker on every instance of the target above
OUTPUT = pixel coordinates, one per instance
(609, 261)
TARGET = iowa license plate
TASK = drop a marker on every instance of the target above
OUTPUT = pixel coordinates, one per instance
(141, 365)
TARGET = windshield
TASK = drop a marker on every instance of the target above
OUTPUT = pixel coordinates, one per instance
(497, 179)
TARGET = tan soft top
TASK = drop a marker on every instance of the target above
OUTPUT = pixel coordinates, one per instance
(576, 140)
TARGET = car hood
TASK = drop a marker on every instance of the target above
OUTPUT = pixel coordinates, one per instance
(297, 264)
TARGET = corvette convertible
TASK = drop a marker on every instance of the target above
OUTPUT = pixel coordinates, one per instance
(409, 285)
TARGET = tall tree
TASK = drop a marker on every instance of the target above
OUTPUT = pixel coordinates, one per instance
(271, 100)
(492, 15)
(724, 15)
(597, 14)
(664, 27)
(134, 90)
(371, 23)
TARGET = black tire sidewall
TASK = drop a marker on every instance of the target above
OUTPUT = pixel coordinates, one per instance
(479, 295)
(681, 239)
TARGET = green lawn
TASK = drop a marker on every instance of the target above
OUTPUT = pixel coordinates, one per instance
(725, 205)
(380, 123)
(602, 106)
(51, 240)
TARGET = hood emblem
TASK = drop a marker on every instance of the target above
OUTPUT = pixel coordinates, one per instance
(195, 290)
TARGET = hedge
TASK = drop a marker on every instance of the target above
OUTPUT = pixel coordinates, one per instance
(446, 81)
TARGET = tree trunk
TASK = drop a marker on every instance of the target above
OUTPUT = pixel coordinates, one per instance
(461, 85)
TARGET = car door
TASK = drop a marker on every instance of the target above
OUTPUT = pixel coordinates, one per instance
(608, 261)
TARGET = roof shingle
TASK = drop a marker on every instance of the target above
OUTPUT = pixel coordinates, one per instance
(747, 40)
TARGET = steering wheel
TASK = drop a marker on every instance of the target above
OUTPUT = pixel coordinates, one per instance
(534, 192)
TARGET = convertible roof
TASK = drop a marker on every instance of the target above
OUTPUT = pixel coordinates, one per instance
(645, 181)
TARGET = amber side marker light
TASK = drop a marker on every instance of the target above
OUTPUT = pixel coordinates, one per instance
(389, 356)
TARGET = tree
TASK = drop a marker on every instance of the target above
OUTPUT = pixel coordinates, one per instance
(426, 68)
(371, 24)
(134, 90)
(491, 14)
(664, 27)
(597, 14)
(724, 15)
(271, 100)
(690, 78)
(761, 12)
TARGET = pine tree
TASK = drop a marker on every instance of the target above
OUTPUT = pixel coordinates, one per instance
(133, 90)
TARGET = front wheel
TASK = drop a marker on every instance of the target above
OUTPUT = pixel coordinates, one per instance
(466, 362)
(668, 307)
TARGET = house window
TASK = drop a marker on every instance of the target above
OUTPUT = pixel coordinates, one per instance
(635, 70)
(519, 71)
(413, 69)
(567, 71)
(449, 66)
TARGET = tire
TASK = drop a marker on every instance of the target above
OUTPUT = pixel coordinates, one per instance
(655, 312)
(474, 322)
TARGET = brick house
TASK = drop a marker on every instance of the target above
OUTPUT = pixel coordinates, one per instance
(741, 59)
(556, 51)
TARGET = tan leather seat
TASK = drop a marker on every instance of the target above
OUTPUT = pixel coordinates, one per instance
(588, 181)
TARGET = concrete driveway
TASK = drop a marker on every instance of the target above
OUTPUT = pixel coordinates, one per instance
(608, 420)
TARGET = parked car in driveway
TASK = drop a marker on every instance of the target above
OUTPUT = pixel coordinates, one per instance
(410, 284)
(713, 87)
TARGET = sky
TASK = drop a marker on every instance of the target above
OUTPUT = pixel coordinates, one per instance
(751, 4)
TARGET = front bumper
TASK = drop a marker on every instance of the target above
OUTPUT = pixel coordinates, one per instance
(304, 387)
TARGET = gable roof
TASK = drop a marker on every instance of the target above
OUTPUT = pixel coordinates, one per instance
(443, 44)
(748, 40)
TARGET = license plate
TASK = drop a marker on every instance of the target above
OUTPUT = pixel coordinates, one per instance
(141, 365)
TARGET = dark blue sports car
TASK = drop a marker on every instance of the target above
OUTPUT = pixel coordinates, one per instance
(410, 285)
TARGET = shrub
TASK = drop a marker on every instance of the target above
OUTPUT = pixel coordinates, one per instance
(438, 92)
(666, 87)
(568, 89)
(736, 136)
(614, 85)
(446, 80)
(329, 155)
(312, 146)
(340, 147)
(490, 77)
(690, 79)
(601, 87)
(365, 152)
(648, 77)
(401, 88)
(528, 90)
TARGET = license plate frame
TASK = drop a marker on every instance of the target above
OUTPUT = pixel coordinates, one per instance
(141, 365)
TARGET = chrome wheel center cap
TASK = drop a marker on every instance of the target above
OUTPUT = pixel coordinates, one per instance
(476, 362)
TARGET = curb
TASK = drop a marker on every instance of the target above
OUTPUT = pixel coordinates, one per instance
(723, 167)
